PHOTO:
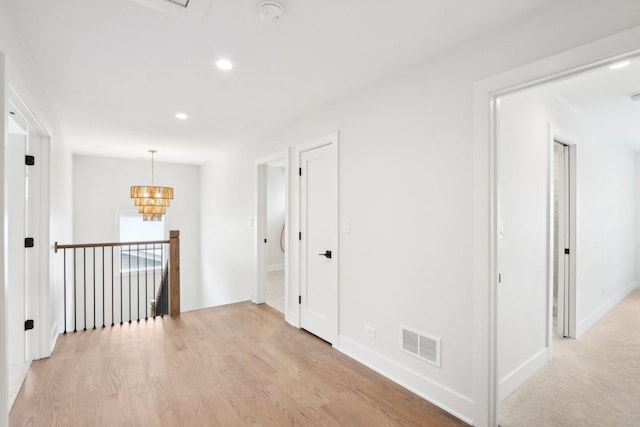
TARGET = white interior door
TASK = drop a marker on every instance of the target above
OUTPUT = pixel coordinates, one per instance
(562, 217)
(17, 265)
(319, 242)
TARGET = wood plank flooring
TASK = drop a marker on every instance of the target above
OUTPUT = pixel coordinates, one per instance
(236, 365)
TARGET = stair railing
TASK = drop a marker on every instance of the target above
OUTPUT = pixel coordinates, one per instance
(120, 281)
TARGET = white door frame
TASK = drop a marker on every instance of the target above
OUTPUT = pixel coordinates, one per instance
(563, 137)
(329, 139)
(4, 124)
(261, 164)
(39, 292)
(597, 54)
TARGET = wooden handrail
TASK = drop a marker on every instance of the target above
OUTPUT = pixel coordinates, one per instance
(100, 245)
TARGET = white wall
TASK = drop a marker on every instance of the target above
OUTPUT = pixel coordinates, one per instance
(21, 74)
(275, 217)
(101, 192)
(406, 184)
(605, 226)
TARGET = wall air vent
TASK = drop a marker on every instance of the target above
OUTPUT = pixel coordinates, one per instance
(421, 345)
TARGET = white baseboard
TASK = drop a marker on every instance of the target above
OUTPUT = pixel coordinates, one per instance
(591, 319)
(292, 318)
(441, 396)
(54, 337)
(275, 267)
(522, 373)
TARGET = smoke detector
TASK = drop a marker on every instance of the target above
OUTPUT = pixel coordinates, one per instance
(270, 11)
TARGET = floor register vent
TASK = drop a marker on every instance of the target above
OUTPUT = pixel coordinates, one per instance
(421, 345)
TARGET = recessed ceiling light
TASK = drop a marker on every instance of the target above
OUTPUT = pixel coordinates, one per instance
(181, 116)
(224, 64)
(619, 65)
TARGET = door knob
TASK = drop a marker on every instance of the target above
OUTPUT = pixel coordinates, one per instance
(326, 254)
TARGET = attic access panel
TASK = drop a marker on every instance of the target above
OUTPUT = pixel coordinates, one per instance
(183, 3)
(191, 9)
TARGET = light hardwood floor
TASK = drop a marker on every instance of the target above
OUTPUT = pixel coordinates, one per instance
(235, 365)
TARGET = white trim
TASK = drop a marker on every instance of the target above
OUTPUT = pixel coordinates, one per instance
(276, 267)
(53, 339)
(329, 139)
(597, 54)
(14, 98)
(41, 275)
(258, 294)
(4, 380)
(522, 373)
(451, 401)
(597, 314)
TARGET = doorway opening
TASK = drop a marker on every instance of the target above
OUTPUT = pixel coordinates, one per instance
(564, 237)
(272, 231)
(545, 135)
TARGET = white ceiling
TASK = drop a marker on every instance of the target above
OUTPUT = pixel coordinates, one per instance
(603, 99)
(117, 71)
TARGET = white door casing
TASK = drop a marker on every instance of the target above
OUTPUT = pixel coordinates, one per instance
(563, 240)
(16, 265)
(318, 255)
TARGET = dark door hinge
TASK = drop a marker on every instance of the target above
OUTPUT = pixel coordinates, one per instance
(299, 235)
(499, 277)
(28, 242)
(29, 160)
(299, 299)
(265, 240)
(28, 324)
(566, 251)
(299, 171)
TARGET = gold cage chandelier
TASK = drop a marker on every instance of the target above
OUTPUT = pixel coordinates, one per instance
(152, 201)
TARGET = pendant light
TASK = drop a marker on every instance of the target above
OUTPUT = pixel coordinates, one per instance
(152, 201)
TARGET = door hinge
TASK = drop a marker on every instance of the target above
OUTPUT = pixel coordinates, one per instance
(499, 277)
(28, 324)
(28, 242)
(299, 299)
(265, 240)
(299, 235)
(29, 160)
(566, 251)
(299, 171)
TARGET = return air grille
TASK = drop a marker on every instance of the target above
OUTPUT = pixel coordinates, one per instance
(421, 345)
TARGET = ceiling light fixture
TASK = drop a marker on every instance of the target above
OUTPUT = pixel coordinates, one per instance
(619, 65)
(224, 64)
(152, 201)
(181, 116)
